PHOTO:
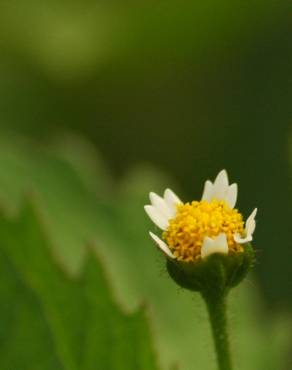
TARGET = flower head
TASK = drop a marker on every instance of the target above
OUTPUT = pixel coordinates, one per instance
(194, 230)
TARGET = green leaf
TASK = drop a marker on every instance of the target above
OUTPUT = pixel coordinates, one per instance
(57, 322)
(114, 223)
(25, 337)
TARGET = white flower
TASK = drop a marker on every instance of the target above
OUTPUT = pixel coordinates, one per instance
(198, 229)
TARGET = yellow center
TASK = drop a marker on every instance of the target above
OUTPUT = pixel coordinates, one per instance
(194, 221)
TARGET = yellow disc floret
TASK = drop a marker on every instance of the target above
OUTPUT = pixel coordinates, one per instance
(194, 221)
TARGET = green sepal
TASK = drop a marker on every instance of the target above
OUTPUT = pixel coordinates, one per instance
(215, 275)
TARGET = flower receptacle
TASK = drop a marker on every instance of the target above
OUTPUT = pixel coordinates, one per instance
(215, 275)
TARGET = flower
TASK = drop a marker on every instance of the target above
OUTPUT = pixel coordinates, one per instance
(194, 230)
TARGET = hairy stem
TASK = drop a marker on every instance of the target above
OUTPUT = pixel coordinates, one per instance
(217, 314)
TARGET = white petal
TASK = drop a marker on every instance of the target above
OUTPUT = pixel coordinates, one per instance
(171, 199)
(222, 179)
(161, 245)
(251, 223)
(217, 245)
(208, 191)
(161, 205)
(221, 185)
(249, 229)
(231, 195)
(238, 239)
(157, 217)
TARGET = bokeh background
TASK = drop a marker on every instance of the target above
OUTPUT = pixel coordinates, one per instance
(184, 88)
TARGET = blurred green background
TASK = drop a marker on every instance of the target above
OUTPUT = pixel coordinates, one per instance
(134, 97)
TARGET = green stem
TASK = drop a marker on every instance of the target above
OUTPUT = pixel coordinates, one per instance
(217, 314)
